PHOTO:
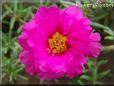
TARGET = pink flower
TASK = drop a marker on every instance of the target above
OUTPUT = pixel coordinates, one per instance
(57, 42)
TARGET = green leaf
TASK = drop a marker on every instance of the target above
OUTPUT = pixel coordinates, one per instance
(109, 37)
(5, 14)
(110, 32)
(108, 48)
(105, 28)
(103, 74)
(12, 22)
(78, 2)
(110, 1)
(19, 69)
(101, 63)
(22, 77)
(90, 65)
(99, 83)
(84, 77)
(86, 1)
(86, 71)
(66, 3)
(19, 30)
(11, 79)
(99, 17)
(80, 82)
(6, 61)
(15, 5)
(8, 8)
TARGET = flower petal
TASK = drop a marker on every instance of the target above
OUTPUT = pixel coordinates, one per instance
(28, 60)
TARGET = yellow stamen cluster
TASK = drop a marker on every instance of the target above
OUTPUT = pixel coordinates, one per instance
(57, 43)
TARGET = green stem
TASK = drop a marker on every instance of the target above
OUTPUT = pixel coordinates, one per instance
(99, 17)
(95, 73)
(108, 48)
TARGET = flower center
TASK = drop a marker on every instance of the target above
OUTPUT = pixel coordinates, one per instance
(57, 43)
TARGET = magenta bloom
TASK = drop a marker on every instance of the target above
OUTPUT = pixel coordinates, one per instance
(57, 42)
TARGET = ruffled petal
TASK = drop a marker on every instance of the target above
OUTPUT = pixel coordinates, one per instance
(76, 67)
(48, 19)
(50, 75)
(94, 49)
(74, 12)
(28, 60)
(57, 63)
(95, 37)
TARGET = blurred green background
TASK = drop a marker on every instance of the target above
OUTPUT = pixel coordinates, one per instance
(97, 71)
